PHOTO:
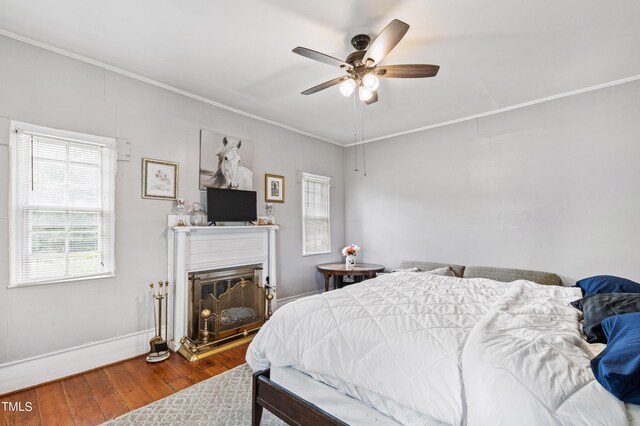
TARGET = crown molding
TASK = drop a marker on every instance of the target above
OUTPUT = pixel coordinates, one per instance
(501, 110)
(159, 84)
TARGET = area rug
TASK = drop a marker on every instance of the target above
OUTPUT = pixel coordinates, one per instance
(224, 399)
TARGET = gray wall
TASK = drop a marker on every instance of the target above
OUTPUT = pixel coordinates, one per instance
(48, 89)
(552, 187)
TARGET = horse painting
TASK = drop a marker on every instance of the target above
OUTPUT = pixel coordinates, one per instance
(230, 174)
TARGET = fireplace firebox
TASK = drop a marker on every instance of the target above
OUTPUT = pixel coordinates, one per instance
(226, 307)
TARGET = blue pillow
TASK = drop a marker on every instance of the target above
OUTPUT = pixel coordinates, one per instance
(607, 284)
(617, 368)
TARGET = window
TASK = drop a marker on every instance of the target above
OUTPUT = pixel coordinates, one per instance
(62, 205)
(315, 214)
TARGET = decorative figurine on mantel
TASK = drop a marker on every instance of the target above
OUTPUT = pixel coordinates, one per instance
(180, 205)
(268, 209)
(268, 219)
(159, 347)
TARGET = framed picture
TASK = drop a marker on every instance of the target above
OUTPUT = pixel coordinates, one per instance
(159, 179)
(220, 165)
(273, 188)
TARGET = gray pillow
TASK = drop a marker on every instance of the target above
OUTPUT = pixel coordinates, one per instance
(598, 307)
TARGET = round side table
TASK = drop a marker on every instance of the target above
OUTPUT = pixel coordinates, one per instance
(338, 270)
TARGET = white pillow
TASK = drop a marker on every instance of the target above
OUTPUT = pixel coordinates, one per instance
(444, 272)
(406, 270)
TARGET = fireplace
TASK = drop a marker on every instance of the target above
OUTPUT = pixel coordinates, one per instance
(225, 306)
(222, 272)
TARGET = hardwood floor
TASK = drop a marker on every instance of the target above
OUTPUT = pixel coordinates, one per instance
(96, 396)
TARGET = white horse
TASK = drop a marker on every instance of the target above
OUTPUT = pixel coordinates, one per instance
(230, 174)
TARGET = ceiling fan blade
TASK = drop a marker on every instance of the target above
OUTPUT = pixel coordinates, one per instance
(407, 71)
(325, 85)
(321, 57)
(385, 42)
(373, 99)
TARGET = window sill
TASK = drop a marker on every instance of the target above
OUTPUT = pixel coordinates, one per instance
(61, 281)
(315, 253)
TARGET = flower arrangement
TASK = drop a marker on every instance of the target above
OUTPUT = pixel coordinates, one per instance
(351, 250)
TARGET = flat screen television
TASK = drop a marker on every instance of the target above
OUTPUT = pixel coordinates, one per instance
(231, 205)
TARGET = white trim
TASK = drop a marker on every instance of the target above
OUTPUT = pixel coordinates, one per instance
(12, 197)
(317, 178)
(271, 267)
(315, 253)
(320, 179)
(505, 109)
(15, 251)
(66, 135)
(64, 280)
(283, 301)
(147, 80)
(55, 365)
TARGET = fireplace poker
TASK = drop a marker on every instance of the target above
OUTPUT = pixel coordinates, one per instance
(159, 350)
(166, 311)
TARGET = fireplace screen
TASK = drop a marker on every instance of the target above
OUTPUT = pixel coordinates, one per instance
(225, 304)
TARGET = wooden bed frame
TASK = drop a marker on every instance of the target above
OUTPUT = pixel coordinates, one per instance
(286, 405)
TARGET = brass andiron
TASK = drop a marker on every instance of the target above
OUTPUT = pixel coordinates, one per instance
(206, 313)
(159, 348)
(269, 299)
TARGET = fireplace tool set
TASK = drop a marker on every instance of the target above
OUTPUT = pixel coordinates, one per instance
(159, 347)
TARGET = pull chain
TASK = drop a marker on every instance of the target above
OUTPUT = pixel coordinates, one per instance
(364, 159)
(355, 133)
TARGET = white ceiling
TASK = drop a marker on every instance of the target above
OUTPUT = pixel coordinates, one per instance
(493, 54)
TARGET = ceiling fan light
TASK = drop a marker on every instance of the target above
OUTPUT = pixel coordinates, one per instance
(370, 81)
(347, 87)
(365, 93)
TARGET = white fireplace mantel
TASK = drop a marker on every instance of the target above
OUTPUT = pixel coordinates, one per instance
(204, 248)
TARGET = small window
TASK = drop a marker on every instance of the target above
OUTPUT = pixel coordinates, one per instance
(315, 214)
(62, 205)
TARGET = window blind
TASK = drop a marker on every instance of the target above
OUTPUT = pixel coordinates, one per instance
(63, 186)
(315, 214)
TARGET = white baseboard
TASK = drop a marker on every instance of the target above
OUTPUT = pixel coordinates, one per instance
(28, 372)
(283, 301)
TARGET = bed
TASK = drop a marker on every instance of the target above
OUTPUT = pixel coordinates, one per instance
(489, 346)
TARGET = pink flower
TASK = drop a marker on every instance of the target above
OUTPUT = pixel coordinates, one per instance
(350, 250)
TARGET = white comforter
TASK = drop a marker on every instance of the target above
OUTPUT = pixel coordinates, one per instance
(426, 349)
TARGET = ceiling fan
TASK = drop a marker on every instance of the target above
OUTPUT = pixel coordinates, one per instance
(362, 65)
